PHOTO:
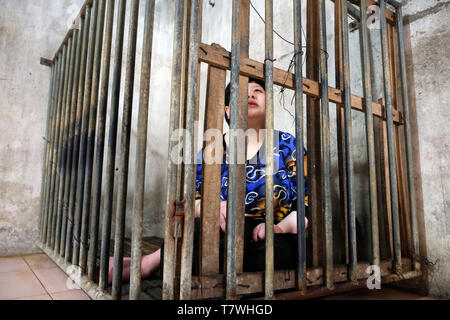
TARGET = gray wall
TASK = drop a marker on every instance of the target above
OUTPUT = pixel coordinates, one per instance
(31, 29)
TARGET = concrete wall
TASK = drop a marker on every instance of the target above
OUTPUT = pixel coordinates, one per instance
(29, 30)
(428, 59)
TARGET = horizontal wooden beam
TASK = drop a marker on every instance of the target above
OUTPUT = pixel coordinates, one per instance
(218, 57)
(206, 287)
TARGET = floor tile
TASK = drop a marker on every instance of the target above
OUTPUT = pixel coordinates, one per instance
(53, 279)
(70, 295)
(41, 297)
(13, 264)
(39, 261)
(19, 284)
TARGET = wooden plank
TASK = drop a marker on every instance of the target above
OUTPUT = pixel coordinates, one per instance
(390, 16)
(210, 203)
(207, 287)
(220, 58)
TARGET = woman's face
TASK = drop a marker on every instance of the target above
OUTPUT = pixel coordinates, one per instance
(256, 103)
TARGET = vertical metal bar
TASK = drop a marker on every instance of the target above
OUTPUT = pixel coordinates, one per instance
(168, 292)
(408, 141)
(269, 288)
(390, 137)
(349, 144)
(50, 233)
(46, 163)
(326, 156)
(125, 152)
(300, 178)
(232, 175)
(64, 146)
(101, 7)
(60, 158)
(79, 214)
(69, 162)
(141, 149)
(313, 131)
(100, 143)
(367, 82)
(71, 237)
(340, 123)
(71, 147)
(189, 166)
(111, 150)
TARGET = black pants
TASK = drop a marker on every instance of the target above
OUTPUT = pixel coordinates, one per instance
(285, 250)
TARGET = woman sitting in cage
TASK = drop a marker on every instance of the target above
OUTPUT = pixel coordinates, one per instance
(285, 195)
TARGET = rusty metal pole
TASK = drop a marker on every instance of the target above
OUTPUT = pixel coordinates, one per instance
(233, 165)
(170, 242)
(299, 123)
(51, 199)
(348, 144)
(85, 22)
(326, 156)
(83, 137)
(270, 167)
(189, 156)
(125, 152)
(100, 143)
(111, 150)
(367, 82)
(90, 139)
(49, 137)
(390, 139)
(69, 161)
(141, 151)
(60, 228)
(408, 141)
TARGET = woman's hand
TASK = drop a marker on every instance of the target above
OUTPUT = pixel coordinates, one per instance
(223, 215)
(259, 232)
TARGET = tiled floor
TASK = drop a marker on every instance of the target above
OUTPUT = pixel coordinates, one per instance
(35, 277)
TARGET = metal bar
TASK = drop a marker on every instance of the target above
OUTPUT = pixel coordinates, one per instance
(326, 155)
(125, 152)
(100, 143)
(48, 137)
(189, 166)
(367, 82)
(170, 242)
(340, 129)
(83, 137)
(70, 238)
(349, 145)
(408, 140)
(141, 149)
(269, 215)
(390, 134)
(299, 123)
(313, 131)
(69, 161)
(51, 199)
(61, 154)
(232, 175)
(111, 150)
(90, 139)
(60, 226)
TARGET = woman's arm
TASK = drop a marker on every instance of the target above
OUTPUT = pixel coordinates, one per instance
(289, 223)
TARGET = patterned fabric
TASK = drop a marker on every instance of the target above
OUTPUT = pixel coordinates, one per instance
(285, 186)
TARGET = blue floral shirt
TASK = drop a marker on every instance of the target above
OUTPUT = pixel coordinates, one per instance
(285, 186)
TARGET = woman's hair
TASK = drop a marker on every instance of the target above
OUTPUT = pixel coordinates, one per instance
(228, 93)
